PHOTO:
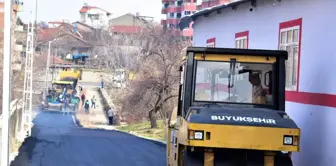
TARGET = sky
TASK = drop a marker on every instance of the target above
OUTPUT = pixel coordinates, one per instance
(54, 10)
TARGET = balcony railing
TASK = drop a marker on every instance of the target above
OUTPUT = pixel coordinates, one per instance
(163, 22)
(17, 66)
(164, 11)
(19, 28)
(18, 47)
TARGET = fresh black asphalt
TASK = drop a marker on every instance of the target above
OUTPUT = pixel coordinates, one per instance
(57, 141)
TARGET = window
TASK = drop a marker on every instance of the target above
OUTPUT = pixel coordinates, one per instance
(83, 17)
(290, 41)
(178, 15)
(241, 40)
(186, 12)
(211, 42)
(94, 16)
(218, 81)
(171, 15)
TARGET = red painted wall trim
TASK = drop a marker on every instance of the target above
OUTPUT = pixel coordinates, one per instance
(320, 99)
(211, 40)
(288, 24)
(243, 34)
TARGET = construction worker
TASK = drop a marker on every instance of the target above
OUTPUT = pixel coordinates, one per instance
(258, 93)
(86, 106)
(83, 99)
(65, 106)
(110, 116)
(93, 102)
(75, 101)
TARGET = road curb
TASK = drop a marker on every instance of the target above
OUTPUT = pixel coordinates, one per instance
(157, 142)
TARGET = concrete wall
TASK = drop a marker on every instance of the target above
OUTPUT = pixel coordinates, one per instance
(317, 60)
(126, 20)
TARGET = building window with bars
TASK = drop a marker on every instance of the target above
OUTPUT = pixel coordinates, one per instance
(241, 40)
(211, 42)
(290, 41)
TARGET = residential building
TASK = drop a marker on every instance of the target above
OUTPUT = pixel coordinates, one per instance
(17, 40)
(127, 24)
(173, 11)
(82, 27)
(304, 29)
(210, 3)
(67, 39)
(94, 16)
(55, 24)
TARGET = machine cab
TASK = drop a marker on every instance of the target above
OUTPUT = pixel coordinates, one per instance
(234, 78)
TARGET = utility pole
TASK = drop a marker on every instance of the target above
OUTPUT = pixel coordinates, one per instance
(47, 67)
(6, 87)
(28, 80)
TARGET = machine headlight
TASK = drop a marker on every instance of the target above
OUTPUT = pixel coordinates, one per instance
(288, 140)
(196, 135)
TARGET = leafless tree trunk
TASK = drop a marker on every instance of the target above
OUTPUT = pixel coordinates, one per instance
(157, 75)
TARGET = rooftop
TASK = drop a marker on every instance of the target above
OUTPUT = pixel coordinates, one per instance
(87, 7)
(185, 21)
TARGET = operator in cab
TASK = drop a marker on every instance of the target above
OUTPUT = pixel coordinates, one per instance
(258, 93)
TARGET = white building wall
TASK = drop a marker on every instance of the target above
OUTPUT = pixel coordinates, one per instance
(318, 58)
(102, 22)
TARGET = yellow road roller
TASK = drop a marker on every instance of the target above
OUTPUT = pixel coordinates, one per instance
(231, 110)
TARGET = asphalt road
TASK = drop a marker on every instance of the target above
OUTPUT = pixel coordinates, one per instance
(57, 141)
(85, 84)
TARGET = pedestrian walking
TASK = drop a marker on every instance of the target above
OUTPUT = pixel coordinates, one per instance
(83, 99)
(93, 102)
(110, 116)
(102, 84)
(75, 103)
(65, 106)
(86, 106)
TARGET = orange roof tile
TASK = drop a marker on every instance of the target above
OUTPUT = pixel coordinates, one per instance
(85, 9)
(55, 60)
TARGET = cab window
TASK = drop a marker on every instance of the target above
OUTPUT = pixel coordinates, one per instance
(247, 83)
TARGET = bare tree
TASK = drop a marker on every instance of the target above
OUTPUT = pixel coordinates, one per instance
(114, 50)
(157, 78)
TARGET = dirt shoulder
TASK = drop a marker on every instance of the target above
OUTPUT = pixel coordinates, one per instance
(144, 130)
